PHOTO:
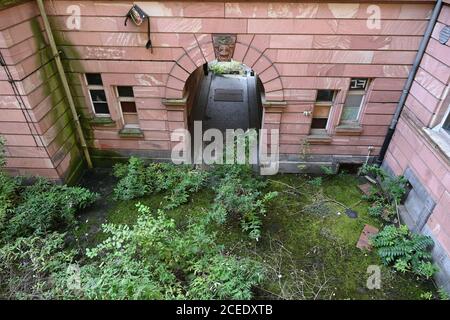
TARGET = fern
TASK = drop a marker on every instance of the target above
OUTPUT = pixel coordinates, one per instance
(405, 250)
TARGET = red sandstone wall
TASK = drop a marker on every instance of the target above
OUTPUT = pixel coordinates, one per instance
(39, 137)
(296, 48)
(412, 147)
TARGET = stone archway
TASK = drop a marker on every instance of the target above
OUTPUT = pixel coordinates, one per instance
(246, 51)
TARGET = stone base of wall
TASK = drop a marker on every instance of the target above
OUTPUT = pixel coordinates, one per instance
(315, 163)
(417, 223)
(441, 259)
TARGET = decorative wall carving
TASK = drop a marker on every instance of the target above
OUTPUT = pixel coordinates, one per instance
(224, 45)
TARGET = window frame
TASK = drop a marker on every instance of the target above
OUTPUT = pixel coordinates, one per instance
(358, 92)
(330, 104)
(90, 87)
(121, 99)
(440, 127)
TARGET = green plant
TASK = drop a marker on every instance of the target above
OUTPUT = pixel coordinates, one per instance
(2, 153)
(232, 67)
(8, 188)
(394, 187)
(316, 182)
(376, 210)
(132, 183)
(239, 195)
(327, 170)
(44, 207)
(138, 180)
(34, 267)
(443, 295)
(427, 295)
(408, 252)
(155, 260)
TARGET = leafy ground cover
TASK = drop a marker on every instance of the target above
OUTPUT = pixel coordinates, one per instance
(307, 242)
(159, 231)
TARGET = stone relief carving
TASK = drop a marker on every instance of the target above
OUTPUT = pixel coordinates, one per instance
(224, 45)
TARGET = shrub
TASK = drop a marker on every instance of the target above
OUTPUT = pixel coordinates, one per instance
(394, 187)
(45, 206)
(29, 267)
(239, 195)
(232, 67)
(8, 187)
(137, 180)
(132, 183)
(408, 252)
(155, 260)
(2, 153)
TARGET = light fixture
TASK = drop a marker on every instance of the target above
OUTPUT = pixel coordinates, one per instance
(137, 15)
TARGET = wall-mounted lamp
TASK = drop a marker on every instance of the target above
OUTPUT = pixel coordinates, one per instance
(138, 16)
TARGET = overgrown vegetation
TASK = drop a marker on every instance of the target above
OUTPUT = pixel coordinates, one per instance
(138, 180)
(386, 195)
(239, 196)
(406, 251)
(179, 235)
(35, 267)
(44, 206)
(396, 244)
(32, 252)
(155, 260)
(232, 67)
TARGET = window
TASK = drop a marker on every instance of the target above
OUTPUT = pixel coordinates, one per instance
(440, 134)
(128, 106)
(446, 123)
(97, 94)
(322, 107)
(355, 99)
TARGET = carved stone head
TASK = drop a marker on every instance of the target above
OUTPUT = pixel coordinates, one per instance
(224, 46)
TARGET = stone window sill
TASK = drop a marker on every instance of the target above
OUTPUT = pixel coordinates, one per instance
(131, 133)
(318, 139)
(440, 140)
(102, 122)
(349, 130)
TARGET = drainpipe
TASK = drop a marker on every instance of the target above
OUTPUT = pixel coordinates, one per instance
(409, 82)
(65, 84)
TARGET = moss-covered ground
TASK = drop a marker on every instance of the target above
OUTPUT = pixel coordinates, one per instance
(308, 242)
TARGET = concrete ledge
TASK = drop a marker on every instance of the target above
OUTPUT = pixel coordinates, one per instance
(102, 122)
(174, 102)
(273, 104)
(305, 167)
(349, 130)
(131, 133)
(319, 139)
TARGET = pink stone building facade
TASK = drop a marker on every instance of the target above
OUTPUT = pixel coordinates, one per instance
(420, 148)
(332, 75)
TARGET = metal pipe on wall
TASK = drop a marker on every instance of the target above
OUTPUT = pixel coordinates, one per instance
(64, 82)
